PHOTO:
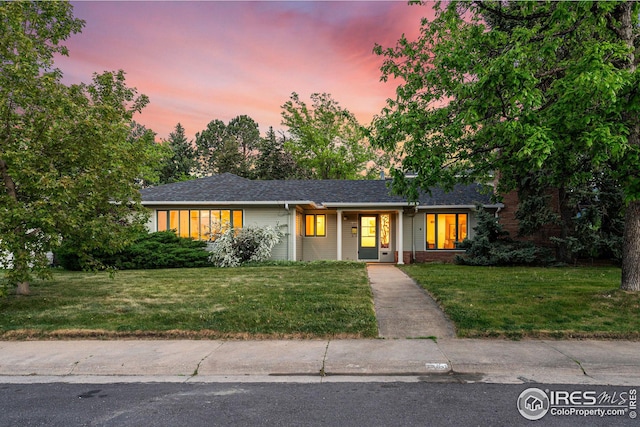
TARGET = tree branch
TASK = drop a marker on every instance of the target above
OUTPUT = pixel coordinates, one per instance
(8, 181)
(502, 13)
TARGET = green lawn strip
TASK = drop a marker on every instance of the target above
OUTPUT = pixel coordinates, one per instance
(306, 300)
(516, 302)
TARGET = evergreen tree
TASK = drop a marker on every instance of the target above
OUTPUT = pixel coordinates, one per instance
(180, 162)
(273, 162)
(244, 132)
(229, 147)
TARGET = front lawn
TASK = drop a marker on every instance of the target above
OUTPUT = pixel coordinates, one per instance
(532, 302)
(306, 300)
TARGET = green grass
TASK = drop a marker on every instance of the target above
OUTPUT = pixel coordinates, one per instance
(317, 300)
(532, 302)
(304, 300)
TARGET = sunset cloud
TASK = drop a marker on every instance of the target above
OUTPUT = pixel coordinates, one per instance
(200, 61)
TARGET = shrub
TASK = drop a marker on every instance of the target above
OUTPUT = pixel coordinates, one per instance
(492, 246)
(149, 250)
(232, 248)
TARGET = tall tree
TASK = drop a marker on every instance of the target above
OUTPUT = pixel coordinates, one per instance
(246, 135)
(209, 143)
(273, 162)
(228, 147)
(180, 158)
(520, 88)
(325, 138)
(156, 154)
(68, 163)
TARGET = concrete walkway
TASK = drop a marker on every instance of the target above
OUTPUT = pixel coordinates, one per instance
(317, 361)
(403, 309)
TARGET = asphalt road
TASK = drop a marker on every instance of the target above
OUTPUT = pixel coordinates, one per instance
(281, 404)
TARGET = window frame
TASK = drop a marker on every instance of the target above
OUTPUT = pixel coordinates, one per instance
(315, 223)
(457, 240)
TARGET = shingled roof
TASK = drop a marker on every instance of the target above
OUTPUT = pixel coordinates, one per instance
(231, 188)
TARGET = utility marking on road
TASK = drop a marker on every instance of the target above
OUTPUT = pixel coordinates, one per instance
(437, 366)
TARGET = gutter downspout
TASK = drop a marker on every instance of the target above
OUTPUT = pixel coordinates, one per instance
(339, 235)
(291, 239)
(400, 241)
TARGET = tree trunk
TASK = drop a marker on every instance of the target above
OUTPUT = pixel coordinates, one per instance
(625, 29)
(23, 289)
(631, 249)
(566, 224)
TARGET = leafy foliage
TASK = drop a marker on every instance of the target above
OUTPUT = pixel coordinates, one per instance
(492, 246)
(597, 223)
(69, 159)
(232, 248)
(520, 88)
(154, 153)
(162, 249)
(228, 147)
(326, 139)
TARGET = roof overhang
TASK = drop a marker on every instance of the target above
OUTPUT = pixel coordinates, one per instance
(229, 203)
(364, 205)
(472, 207)
(314, 205)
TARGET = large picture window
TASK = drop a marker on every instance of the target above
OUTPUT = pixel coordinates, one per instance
(315, 225)
(199, 224)
(445, 231)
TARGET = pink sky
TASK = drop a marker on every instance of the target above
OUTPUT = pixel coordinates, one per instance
(200, 61)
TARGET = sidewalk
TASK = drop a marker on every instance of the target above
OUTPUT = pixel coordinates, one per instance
(403, 311)
(448, 360)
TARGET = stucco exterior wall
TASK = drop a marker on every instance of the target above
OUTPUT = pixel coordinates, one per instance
(413, 237)
(322, 248)
(274, 217)
(349, 240)
(299, 234)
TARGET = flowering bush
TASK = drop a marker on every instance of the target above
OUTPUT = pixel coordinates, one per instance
(232, 248)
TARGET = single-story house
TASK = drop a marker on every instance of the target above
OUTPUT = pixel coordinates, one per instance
(323, 219)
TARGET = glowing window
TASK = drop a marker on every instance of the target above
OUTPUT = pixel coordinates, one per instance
(183, 231)
(199, 224)
(162, 220)
(205, 225)
(385, 230)
(368, 231)
(446, 231)
(315, 225)
(194, 224)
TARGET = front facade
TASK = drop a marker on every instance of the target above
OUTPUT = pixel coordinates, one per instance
(322, 219)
